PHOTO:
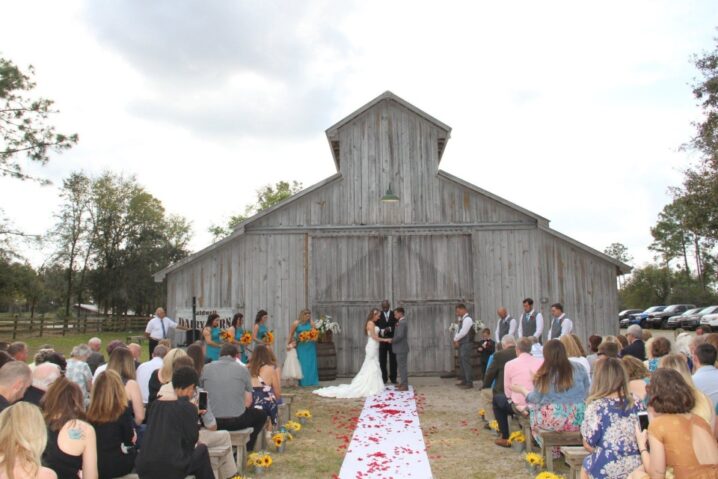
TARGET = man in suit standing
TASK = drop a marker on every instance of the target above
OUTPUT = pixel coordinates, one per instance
(463, 341)
(560, 324)
(400, 347)
(386, 324)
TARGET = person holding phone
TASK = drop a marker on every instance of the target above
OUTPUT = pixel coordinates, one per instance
(608, 423)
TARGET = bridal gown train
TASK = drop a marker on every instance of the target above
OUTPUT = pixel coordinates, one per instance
(368, 380)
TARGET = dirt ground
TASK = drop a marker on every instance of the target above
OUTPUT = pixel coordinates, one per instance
(457, 444)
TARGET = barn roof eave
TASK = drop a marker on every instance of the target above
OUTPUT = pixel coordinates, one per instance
(455, 179)
(621, 267)
(332, 131)
(239, 229)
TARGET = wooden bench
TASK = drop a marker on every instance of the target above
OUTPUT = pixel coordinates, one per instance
(288, 399)
(239, 440)
(573, 455)
(215, 454)
(551, 439)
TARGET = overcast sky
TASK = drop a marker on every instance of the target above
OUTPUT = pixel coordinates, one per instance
(574, 110)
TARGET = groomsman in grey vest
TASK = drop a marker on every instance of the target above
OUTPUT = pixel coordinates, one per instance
(531, 323)
(400, 346)
(462, 340)
(506, 325)
(560, 324)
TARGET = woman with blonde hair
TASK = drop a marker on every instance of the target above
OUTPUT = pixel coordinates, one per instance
(110, 415)
(638, 377)
(71, 444)
(575, 352)
(703, 406)
(123, 363)
(23, 436)
(163, 375)
(267, 390)
(300, 337)
(609, 423)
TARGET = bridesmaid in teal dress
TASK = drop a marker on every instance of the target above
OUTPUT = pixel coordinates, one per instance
(260, 329)
(307, 350)
(236, 331)
(211, 336)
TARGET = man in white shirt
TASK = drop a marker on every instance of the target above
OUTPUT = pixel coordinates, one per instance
(560, 324)
(463, 340)
(506, 325)
(145, 370)
(531, 322)
(158, 328)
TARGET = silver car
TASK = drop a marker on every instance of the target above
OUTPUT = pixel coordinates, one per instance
(675, 321)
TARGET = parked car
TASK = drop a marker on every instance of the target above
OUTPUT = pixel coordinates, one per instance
(640, 318)
(675, 321)
(692, 322)
(626, 313)
(711, 319)
(659, 318)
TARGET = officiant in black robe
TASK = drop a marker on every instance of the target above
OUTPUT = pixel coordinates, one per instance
(387, 323)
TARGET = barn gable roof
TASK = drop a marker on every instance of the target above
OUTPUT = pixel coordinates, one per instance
(333, 131)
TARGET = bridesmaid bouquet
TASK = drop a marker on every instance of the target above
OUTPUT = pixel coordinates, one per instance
(309, 336)
(269, 337)
(245, 339)
(225, 336)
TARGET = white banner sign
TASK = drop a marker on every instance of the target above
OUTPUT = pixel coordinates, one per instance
(184, 317)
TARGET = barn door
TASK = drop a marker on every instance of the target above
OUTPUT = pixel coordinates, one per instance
(431, 274)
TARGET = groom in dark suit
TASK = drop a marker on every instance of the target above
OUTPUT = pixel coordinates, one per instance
(400, 346)
(387, 323)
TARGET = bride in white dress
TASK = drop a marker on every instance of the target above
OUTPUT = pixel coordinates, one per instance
(368, 380)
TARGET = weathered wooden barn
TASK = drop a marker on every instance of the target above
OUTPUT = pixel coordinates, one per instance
(339, 249)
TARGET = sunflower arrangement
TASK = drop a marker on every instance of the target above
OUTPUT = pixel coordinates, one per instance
(304, 413)
(494, 425)
(245, 339)
(260, 460)
(517, 436)
(225, 336)
(268, 337)
(548, 475)
(293, 426)
(534, 459)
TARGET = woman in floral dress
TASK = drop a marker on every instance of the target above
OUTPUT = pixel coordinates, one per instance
(609, 424)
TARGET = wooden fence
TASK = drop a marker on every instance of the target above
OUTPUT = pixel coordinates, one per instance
(23, 326)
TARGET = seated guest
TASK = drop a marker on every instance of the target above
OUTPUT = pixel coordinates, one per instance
(575, 352)
(712, 339)
(517, 371)
(163, 375)
(608, 349)
(636, 347)
(494, 378)
(487, 347)
(622, 341)
(229, 389)
(95, 358)
(683, 345)
(560, 387)
(676, 438)
(703, 405)
(208, 433)
(659, 347)
(78, 371)
(42, 377)
(196, 352)
(52, 357)
(110, 415)
(136, 351)
(609, 424)
(15, 378)
(144, 372)
(593, 343)
(19, 352)
(23, 436)
(114, 344)
(71, 445)
(638, 377)
(266, 383)
(706, 375)
(122, 362)
(170, 448)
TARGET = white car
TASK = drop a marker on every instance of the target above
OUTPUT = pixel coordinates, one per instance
(711, 320)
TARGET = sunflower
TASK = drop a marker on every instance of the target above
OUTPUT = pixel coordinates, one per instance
(267, 461)
(494, 425)
(278, 440)
(269, 337)
(246, 338)
(548, 475)
(482, 412)
(517, 436)
(534, 459)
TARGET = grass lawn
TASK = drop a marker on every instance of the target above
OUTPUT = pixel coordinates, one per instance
(64, 344)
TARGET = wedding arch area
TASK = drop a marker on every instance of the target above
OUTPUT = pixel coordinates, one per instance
(390, 224)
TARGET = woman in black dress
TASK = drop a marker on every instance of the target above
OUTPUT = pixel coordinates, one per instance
(112, 419)
(168, 449)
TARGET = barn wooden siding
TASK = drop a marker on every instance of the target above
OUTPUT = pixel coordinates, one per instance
(338, 250)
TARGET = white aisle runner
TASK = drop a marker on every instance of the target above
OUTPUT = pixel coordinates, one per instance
(387, 442)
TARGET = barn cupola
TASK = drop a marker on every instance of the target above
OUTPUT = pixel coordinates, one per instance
(390, 133)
